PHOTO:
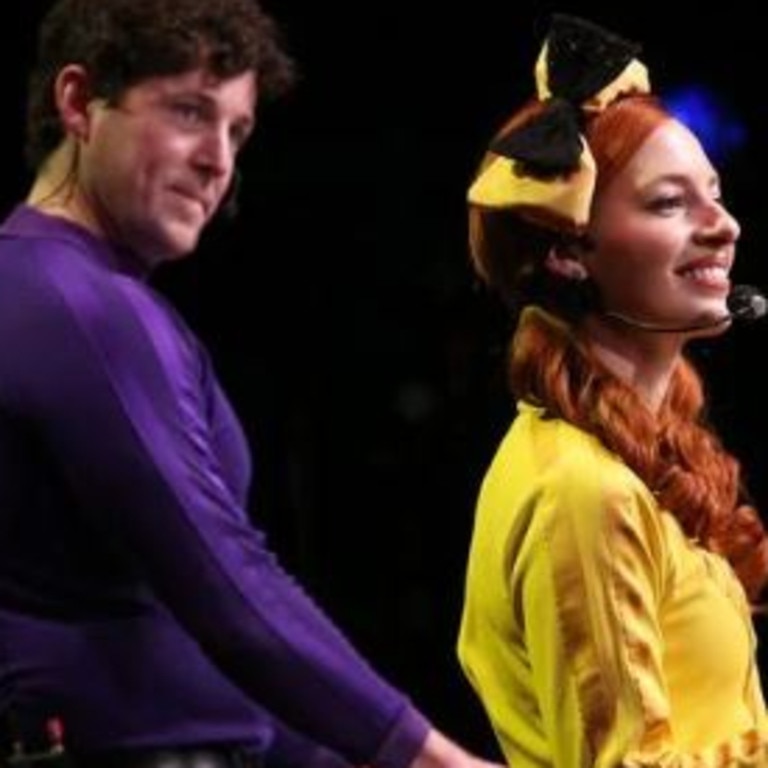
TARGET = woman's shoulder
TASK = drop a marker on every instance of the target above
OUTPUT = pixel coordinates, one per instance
(568, 471)
(560, 449)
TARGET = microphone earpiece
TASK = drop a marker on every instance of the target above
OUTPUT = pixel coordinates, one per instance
(230, 205)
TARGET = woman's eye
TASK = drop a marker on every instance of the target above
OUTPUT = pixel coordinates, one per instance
(667, 203)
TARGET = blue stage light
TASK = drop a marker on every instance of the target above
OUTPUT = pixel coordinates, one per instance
(720, 131)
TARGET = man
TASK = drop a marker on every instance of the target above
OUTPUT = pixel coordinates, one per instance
(138, 606)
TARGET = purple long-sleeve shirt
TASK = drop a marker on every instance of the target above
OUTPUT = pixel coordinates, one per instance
(137, 601)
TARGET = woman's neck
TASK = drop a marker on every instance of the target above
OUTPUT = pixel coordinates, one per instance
(645, 361)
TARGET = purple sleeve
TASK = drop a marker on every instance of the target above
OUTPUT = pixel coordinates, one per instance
(291, 750)
(114, 386)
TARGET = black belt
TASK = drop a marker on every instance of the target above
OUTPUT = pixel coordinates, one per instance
(182, 757)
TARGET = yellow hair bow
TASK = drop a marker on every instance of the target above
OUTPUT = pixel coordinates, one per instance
(544, 165)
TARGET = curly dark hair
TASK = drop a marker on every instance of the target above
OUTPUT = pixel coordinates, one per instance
(122, 42)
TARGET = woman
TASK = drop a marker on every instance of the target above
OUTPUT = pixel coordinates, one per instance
(606, 618)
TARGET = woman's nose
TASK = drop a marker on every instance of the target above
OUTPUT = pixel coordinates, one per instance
(719, 224)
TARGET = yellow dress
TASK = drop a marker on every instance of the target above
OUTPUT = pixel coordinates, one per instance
(594, 631)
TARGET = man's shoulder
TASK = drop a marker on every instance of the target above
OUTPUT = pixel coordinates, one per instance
(48, 282)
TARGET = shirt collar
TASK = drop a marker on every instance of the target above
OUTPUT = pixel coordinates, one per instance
(27, 221)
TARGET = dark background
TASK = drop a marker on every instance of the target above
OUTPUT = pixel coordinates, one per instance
(342, 314)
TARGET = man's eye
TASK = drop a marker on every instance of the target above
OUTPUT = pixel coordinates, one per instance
(190, 113)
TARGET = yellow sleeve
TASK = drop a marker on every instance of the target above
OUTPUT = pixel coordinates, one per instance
(589, 588)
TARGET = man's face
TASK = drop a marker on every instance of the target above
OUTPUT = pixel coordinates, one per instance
(155, 167)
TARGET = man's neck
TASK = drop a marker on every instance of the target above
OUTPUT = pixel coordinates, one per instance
(55, 190)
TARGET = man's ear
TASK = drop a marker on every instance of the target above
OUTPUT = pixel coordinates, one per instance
(565, 260)
(72, 91)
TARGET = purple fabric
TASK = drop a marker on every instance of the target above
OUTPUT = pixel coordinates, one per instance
(137, 601)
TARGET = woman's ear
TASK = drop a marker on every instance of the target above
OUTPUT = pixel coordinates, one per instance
(565, 261)
(73, 95)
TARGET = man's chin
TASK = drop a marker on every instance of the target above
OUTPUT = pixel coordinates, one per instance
(166, 254)
(178, 245)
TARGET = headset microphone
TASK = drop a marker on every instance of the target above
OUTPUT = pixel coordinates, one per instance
(745, 302)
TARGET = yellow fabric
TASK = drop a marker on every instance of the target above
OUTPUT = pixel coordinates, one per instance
(633, 79)
(593, 630)
(567, 198)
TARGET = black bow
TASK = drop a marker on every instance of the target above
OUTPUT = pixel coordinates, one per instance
(582, 59)
(547, 145)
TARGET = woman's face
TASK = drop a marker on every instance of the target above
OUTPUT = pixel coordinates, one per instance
(663, 243)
